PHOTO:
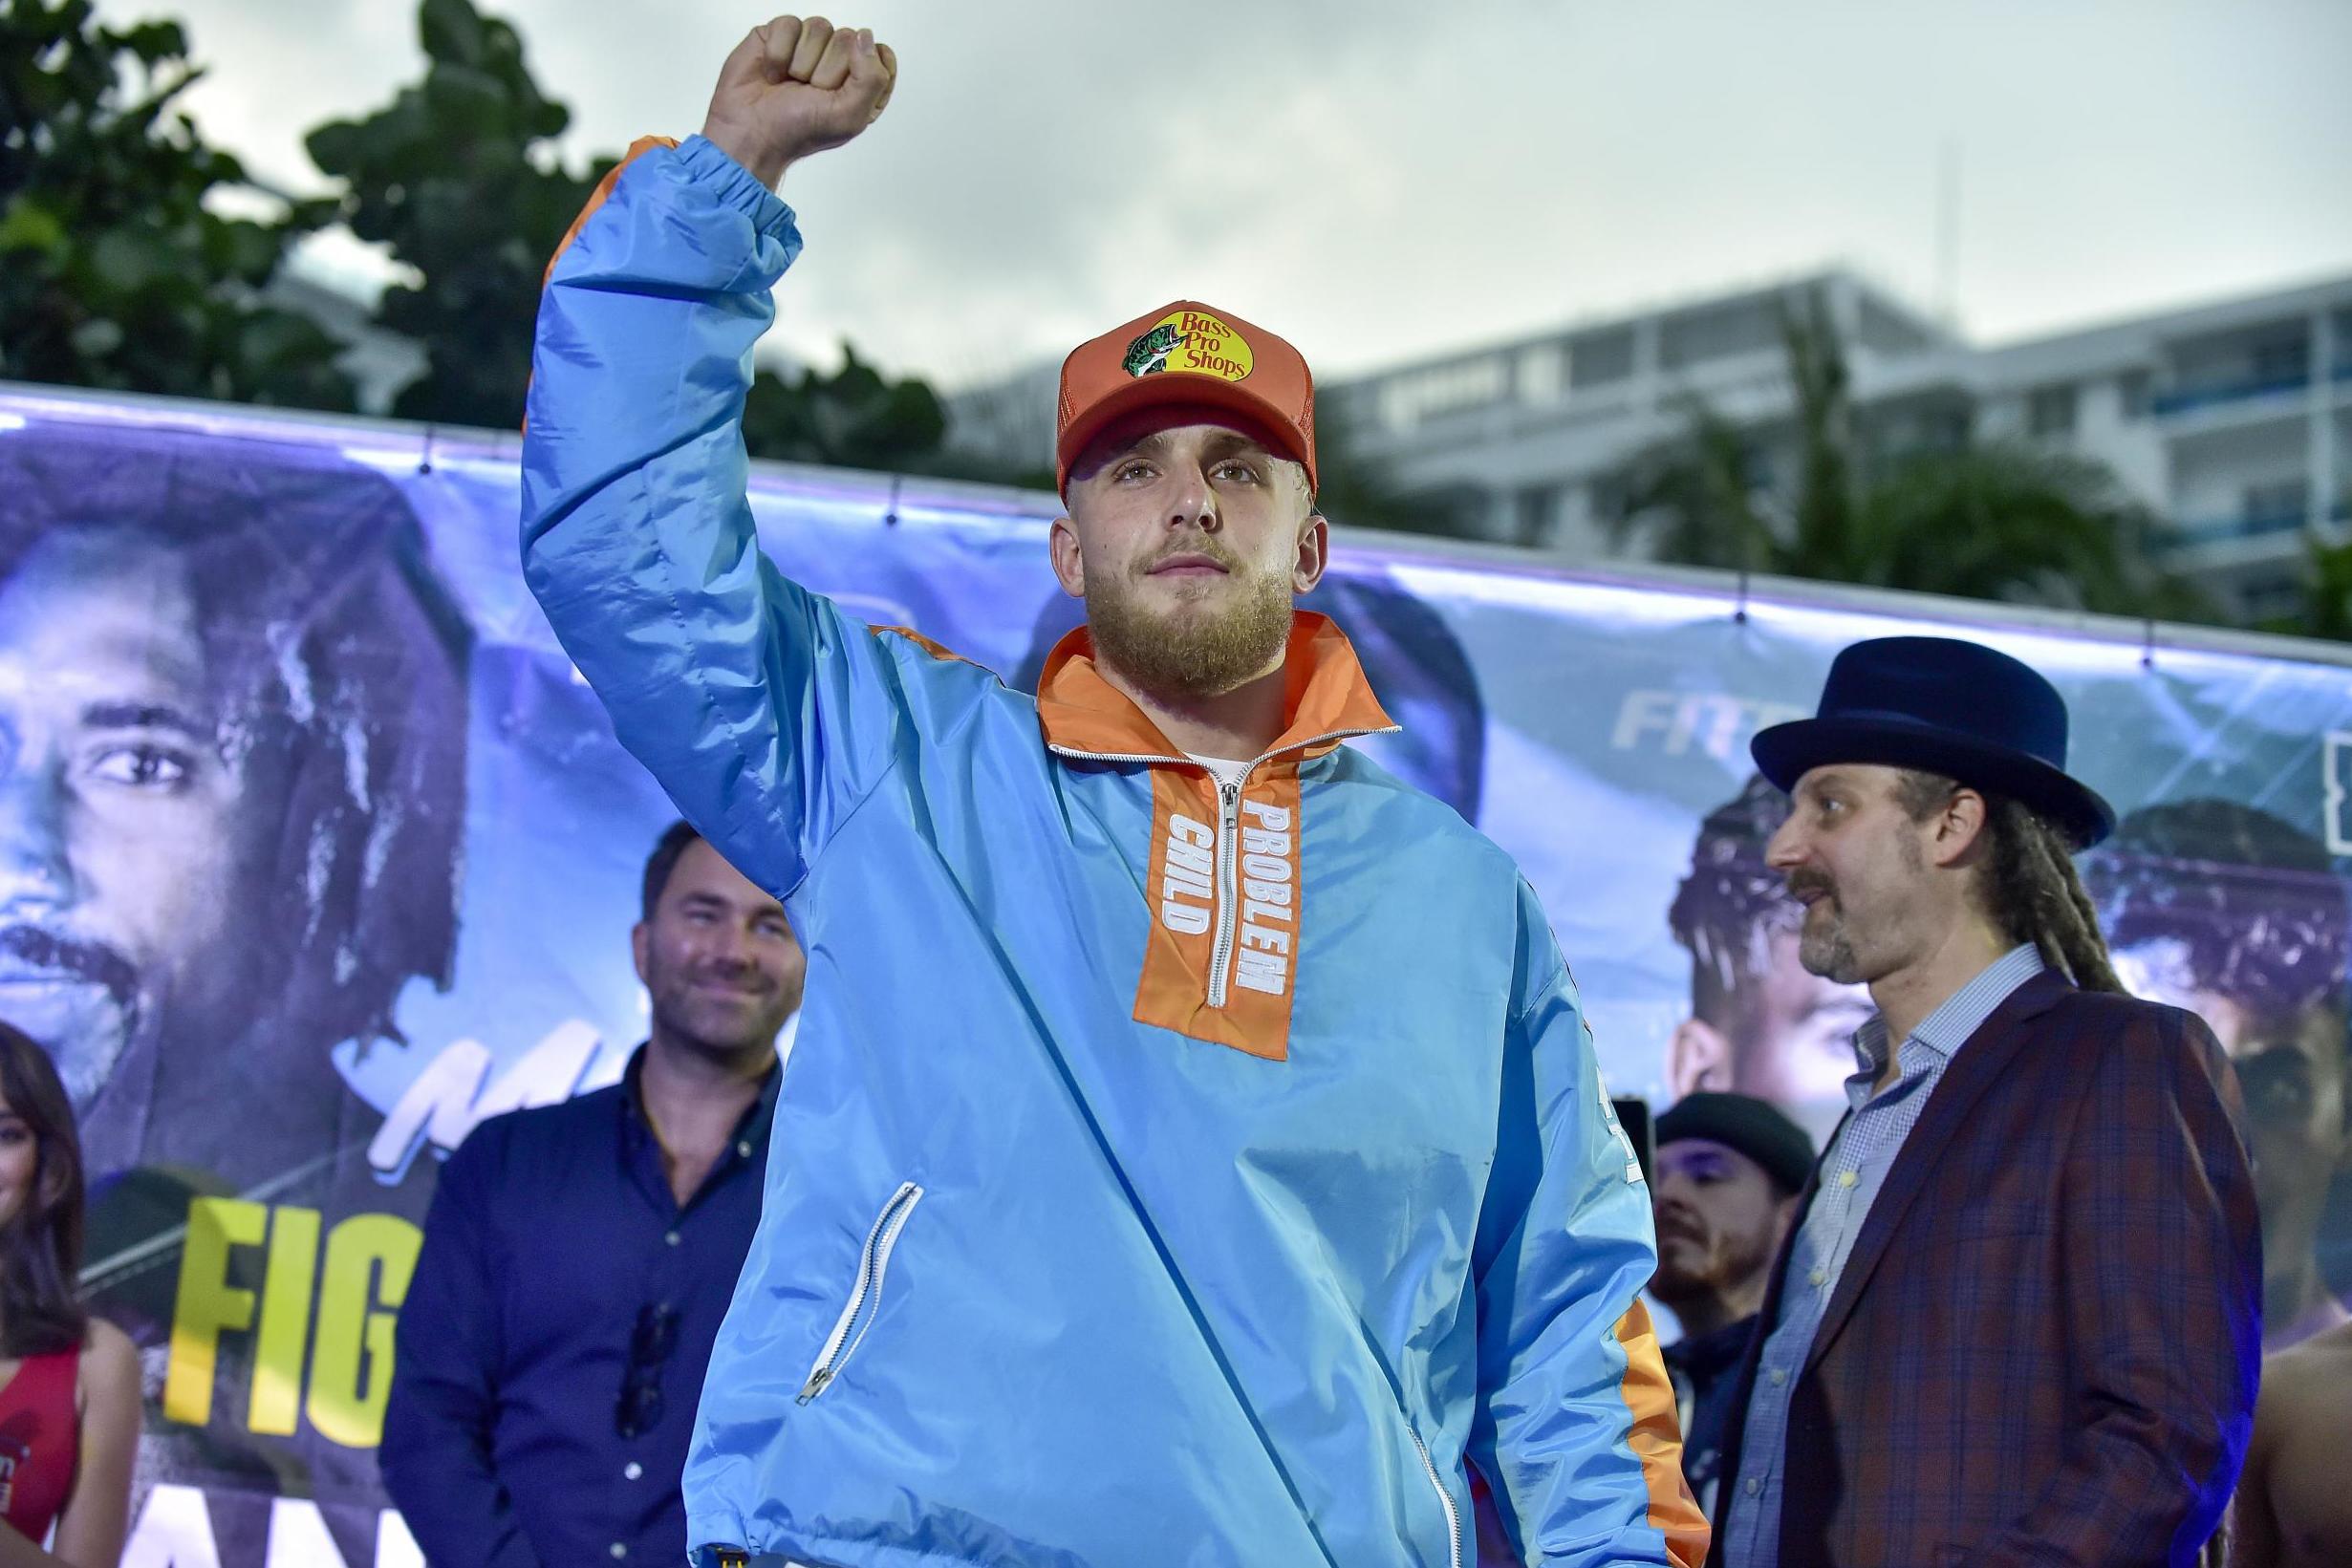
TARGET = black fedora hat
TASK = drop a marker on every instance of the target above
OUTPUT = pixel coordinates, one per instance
(1943, 706)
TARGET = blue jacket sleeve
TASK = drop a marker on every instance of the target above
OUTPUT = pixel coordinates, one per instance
(1575, 1427)
(764, 711)
(436, 1456)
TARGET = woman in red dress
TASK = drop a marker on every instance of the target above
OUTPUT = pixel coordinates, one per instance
(69, 1382)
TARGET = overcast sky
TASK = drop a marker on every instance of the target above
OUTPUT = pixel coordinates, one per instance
(1380, 180)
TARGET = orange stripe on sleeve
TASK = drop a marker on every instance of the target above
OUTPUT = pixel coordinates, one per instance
(1657, 1440)
(595, 199)
(601, 194)
(937, 651)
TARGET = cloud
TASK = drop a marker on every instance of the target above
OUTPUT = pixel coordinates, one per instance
(1381, 181)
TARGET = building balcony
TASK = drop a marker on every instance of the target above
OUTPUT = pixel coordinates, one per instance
(2190, 536)
(2183, 399)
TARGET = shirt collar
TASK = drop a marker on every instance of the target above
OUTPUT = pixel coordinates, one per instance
(1943, 1032)
(753, 1129)
(1325, 698)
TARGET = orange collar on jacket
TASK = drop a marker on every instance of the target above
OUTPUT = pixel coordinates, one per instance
(1326, 699)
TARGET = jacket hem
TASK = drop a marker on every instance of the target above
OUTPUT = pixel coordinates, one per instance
(826, 1552)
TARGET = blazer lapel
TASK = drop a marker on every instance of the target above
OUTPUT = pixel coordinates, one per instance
(1976, 1067)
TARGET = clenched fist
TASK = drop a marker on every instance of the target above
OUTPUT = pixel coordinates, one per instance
(795, 87)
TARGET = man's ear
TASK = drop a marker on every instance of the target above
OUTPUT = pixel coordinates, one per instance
(1960, 829)
(640, 941)
(1783, 1215)
(1070, 566)
(1697, 1057)
(1314, 552)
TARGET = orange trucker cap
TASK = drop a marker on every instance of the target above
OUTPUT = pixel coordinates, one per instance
(1186, 353)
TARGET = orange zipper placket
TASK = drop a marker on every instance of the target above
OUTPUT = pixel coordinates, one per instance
(1221, 961)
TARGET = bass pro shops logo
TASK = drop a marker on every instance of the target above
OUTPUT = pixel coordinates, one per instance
(1190, 342)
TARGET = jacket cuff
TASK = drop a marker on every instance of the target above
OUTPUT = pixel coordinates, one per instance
(700, 162)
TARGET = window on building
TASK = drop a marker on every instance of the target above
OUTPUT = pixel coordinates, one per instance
(1609, 499)
(2270, 595)
(2049, 411)
(1906, 429)
(1718, 331)
(2133, 389)
(2276, 502)
(1597, 357)
(1535, 514)
(2280, 359)
(1947, 428)
(1411, 396)
(1542, 374)
(1886, 332)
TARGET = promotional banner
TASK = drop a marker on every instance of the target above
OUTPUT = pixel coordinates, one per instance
(315, 852)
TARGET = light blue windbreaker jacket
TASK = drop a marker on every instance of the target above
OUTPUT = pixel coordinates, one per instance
(1164, 1176)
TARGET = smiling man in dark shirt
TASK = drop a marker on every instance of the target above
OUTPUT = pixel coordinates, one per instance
(579, 1257)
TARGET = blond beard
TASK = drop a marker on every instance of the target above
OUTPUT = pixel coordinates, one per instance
(1191, 652)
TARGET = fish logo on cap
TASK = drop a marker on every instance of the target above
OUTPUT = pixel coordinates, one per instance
(1192, 343)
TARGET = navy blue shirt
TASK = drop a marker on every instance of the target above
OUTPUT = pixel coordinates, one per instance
(552, 1238)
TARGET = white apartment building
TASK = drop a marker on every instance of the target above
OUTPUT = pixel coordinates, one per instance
(2231, 420)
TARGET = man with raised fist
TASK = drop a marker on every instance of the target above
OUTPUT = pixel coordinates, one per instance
(1193, 1151)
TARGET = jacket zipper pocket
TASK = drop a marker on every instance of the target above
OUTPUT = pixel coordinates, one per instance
(1453, 1517)
(866, 1295)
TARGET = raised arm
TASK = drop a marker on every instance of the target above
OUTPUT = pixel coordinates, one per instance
(796, 87)
(766, 713)
(1576, 1429)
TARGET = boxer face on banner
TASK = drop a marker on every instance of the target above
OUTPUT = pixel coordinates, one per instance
(2240, 918)
(127, 806)
(1788, 1037)
(2292, 1069)
(1760, 1023)
(232, 739)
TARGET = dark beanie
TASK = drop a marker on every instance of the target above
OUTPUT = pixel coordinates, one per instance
(1754, 1127)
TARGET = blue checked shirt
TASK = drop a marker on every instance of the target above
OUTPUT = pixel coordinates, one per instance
(1859, 1158)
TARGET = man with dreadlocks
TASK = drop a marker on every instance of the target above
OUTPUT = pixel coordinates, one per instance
(1760, 1022)
(2018, 1316)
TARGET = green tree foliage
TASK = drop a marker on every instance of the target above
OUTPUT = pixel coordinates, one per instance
(1979, 519)
(2326, 610)
(852, 419)
(114, 271)
(459, 178)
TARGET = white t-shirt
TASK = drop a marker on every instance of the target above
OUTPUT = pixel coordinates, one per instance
(1226, 770)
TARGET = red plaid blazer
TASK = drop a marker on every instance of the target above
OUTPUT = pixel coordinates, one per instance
(2044, 1345)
